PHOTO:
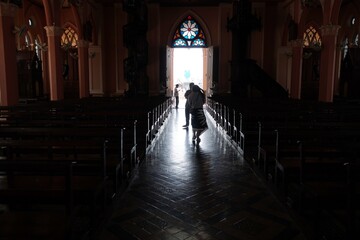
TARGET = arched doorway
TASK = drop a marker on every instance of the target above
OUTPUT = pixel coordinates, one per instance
(311, 64)
(189, 59)
(70, 74)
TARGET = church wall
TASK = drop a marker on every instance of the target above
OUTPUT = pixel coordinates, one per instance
(267, 46)
(121, 51)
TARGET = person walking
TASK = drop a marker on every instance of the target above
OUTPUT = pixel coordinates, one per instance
(198, 120)
(187, 106)
(176, 95)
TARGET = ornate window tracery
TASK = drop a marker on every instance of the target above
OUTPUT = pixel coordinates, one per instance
(69, 38)
(311, 38)
(189, 34)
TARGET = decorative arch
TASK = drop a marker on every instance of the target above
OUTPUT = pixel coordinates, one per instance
(175, 32)
(310, 16)
(24, 38)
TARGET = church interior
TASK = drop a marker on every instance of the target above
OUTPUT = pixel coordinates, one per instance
(86, 92)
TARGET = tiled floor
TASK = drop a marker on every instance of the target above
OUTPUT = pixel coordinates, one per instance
(205, 191)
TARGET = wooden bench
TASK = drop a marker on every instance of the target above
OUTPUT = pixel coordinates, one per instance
(37, 187)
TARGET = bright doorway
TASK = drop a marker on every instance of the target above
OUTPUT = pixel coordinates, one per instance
(187, 68)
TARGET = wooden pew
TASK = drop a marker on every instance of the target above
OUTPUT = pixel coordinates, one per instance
(54, 188)
(106, 156)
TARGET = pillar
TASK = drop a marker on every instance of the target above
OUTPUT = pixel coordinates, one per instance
(327, 65)
(55, 62)
(83, 61)
(296, 68)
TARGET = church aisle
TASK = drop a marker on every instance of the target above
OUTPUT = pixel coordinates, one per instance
(197, 191)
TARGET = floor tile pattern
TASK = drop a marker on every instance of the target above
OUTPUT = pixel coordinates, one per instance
(186, 190)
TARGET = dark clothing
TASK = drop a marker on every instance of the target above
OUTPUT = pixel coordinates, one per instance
(176, 101)
(187, 115)
(187, 107)
(176, 95)
(198, 119)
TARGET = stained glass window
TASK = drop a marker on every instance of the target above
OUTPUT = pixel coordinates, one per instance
(69, 38)
(311, 38)
(189, 34)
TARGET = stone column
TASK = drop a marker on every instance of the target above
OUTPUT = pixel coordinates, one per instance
(327, 64)
(296, 68)
(9, 84)
(55, 62)
(83, 60)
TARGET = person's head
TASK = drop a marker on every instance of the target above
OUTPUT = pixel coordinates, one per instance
(177, 85)
(191, 85)
(196, 88)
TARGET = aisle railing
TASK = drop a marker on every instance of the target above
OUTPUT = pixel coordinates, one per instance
(156, 119)
(229, 121)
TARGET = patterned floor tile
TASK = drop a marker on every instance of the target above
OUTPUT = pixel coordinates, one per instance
(198, 191)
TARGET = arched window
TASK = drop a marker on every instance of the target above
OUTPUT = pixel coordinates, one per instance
(311, 38)
(345, 47)
(189, 34)
(27, 41)
(69, 38)
(37, 49)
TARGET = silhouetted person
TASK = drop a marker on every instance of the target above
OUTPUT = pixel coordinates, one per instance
(198, 120)
(187, 106)
(176, 95)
